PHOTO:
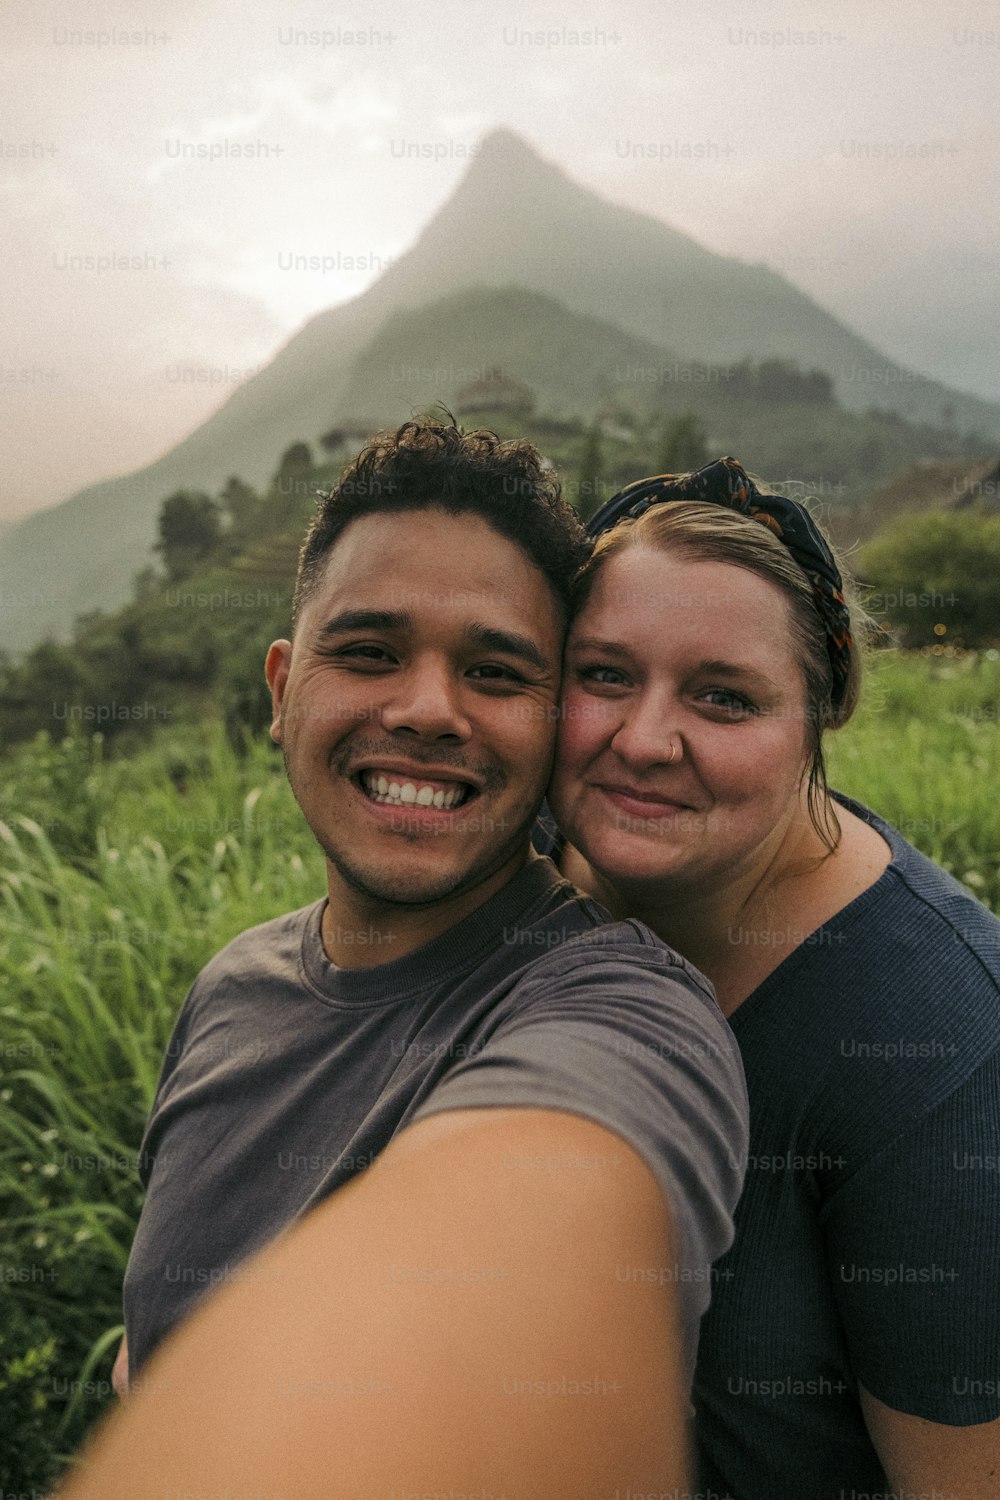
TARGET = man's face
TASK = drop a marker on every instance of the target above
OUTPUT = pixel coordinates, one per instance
(416, 708)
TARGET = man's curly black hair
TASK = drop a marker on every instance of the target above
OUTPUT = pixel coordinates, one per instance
(430, 463)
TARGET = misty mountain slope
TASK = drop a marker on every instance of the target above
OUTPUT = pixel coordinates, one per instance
(517, 219)
(514, 219)
(573, 363)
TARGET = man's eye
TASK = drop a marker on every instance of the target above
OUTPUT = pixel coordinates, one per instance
(365, 653)
(493, 672)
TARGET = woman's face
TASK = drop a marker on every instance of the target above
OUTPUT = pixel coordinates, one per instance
(696, 656)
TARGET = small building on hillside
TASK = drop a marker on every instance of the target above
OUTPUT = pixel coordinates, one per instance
(496, 392)
(349, 435)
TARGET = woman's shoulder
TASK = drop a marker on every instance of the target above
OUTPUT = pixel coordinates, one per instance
(913, 946)
(881, 933)
(927, 900)
(882, 1013)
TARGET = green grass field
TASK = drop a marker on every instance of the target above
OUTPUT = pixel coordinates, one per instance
(119, 879)
(924, 751)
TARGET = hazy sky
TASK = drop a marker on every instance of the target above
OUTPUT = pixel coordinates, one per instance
(853, 147)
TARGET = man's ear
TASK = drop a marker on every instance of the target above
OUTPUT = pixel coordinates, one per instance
(276, 668)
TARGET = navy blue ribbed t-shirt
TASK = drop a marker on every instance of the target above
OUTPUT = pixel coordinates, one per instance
(868, 1235)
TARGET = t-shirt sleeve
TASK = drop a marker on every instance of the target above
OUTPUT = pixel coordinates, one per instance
(171, 1057)
(633, 1042)
(913, 1245)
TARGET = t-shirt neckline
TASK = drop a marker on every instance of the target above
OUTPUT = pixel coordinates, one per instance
(898, 847)
(462, 947)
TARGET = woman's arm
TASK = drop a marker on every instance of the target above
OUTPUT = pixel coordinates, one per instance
(454, 1319)
(921, 1457)
(914, 1245)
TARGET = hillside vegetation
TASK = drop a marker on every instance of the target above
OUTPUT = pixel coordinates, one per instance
(189, 646)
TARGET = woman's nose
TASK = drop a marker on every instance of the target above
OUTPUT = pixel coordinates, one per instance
(648, 735)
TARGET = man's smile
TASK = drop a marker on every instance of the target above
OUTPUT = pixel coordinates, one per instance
(401, 789)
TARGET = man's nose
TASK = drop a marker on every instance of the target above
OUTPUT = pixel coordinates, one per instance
(427, 700)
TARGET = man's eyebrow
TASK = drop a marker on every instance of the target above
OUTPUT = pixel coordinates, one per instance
(485, 637)
(366, 619)
(510, 643)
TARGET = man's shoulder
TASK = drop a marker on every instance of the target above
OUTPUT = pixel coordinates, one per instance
(572, 928)
(263, 948)
(623, 979)
(613, 946)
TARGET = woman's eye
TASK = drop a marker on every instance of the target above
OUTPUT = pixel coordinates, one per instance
(601, 675)
(734, 705)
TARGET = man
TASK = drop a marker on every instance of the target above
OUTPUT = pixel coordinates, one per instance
(557, 1089)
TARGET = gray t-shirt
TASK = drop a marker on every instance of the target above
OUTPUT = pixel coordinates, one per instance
(287, 1075)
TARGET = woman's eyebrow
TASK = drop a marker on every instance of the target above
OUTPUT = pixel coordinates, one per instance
(595, 643)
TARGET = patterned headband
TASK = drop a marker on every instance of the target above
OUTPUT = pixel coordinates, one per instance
(725, 482)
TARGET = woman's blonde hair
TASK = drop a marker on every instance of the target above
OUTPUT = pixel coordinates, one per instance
(704, 532)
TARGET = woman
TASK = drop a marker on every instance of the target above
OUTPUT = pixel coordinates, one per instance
(853, 1336)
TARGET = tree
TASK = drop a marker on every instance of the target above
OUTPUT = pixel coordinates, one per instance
(683, 445)
(145, 584)
(818, 387)
(240, 504)
(294, 470)
(51, 689)
(936, 576)
(589, 496)
(189, 531)
(782, 380)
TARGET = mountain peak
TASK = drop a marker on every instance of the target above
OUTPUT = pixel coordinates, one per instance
(504, 157)
(515, 219)
(503, 143)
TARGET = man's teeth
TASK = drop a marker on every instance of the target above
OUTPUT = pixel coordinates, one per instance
(403, 793)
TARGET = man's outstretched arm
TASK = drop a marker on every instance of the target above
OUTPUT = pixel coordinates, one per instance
(458, 1318)
(119, 1374)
